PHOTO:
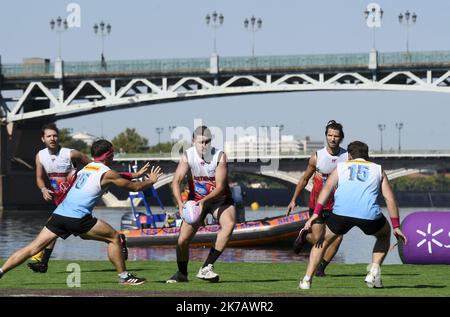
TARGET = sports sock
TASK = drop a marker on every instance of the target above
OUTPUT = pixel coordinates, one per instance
(46, 257)
(212, 257)
(124, 274)
(182, 267)
(323, 264)
(307, 278)
(375, 268)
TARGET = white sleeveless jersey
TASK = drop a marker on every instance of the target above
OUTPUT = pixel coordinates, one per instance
(326, 163)
(57, 166)
(358, 189)
(203, 174)
(83, 195)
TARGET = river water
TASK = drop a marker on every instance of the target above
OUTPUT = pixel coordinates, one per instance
(18, 228)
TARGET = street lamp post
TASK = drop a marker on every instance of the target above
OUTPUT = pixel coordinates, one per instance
(214, 20)
(102, 29)
(59, 26)
(399, 126)
(159, 130)
(381, 127)
(373, 19)
(253, 25)
(171, 128)
(407, 19)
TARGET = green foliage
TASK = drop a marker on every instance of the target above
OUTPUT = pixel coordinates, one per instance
(161, 148)
(130, 141)
(66, 140)
(438, 182)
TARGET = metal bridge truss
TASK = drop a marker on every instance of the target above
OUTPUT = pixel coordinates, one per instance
(71, 97)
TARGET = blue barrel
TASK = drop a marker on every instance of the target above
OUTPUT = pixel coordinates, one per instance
(428, 234)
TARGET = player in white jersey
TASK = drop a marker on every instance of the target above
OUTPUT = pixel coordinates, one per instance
(207, 172)
(320, 165)
(56, 164)
(74, 214)
(358, 183)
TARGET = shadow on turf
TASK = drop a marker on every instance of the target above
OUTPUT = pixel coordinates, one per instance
(416, 286)
(102, 270)
(240, 281)
(362, 275)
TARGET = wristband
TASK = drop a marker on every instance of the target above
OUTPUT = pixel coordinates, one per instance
(318, 209)
(395, 222)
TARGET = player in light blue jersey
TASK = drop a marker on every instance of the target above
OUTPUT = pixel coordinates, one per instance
(74, 214)
(358, 183)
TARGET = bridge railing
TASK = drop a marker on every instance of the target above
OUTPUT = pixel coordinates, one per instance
(235, 64)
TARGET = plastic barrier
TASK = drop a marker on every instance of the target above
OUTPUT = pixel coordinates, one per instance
(428, 235)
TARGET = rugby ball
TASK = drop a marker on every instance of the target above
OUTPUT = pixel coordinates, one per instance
(191, 212)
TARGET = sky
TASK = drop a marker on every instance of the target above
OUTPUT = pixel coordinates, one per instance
(177, 29)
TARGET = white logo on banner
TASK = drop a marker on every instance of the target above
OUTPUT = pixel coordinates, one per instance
(429, 238)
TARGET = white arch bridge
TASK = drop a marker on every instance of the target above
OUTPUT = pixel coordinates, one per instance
(69, 89)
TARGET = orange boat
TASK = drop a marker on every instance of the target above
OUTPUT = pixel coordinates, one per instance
(147, 228)
(249, 233)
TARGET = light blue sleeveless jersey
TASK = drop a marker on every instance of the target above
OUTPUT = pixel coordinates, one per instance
(358, 189)
(83, 195)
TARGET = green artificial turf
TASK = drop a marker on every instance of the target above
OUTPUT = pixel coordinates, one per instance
(266, 279)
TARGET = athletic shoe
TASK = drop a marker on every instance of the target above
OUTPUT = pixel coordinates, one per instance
(131, 280)
(304, 284)
(38, 267)
(123, 243)
(206, 273)
(300, 241)
(373, 279)
(178, 277)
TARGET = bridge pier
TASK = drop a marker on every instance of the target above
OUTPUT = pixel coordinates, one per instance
(18, 147)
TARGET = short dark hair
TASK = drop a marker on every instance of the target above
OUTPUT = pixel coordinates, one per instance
(202, 131)
(49, 126)
(100, 147)
(358, 149)
(335, 126)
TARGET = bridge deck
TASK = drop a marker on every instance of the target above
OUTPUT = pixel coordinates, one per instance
(193, 66)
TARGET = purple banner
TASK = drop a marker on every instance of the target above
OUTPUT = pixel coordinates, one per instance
(428, 235)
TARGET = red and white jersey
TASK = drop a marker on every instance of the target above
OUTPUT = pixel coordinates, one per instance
(202, 178)
(326, 163)
(59, 168)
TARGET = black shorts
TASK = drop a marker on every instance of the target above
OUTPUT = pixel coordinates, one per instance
(63, 227)
(210, 207)
(341, 224)
(323, 218)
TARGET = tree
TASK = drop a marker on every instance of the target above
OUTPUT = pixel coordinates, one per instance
(161, 148)
(66, 140)
(130, 141)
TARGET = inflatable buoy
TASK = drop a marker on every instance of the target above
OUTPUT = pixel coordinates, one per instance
(254, 206)
(428, 235)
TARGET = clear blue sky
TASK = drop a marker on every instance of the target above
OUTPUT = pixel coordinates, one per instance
(176, 28)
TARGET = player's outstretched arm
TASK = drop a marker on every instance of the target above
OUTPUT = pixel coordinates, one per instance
(113, 178)
(392, 207)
